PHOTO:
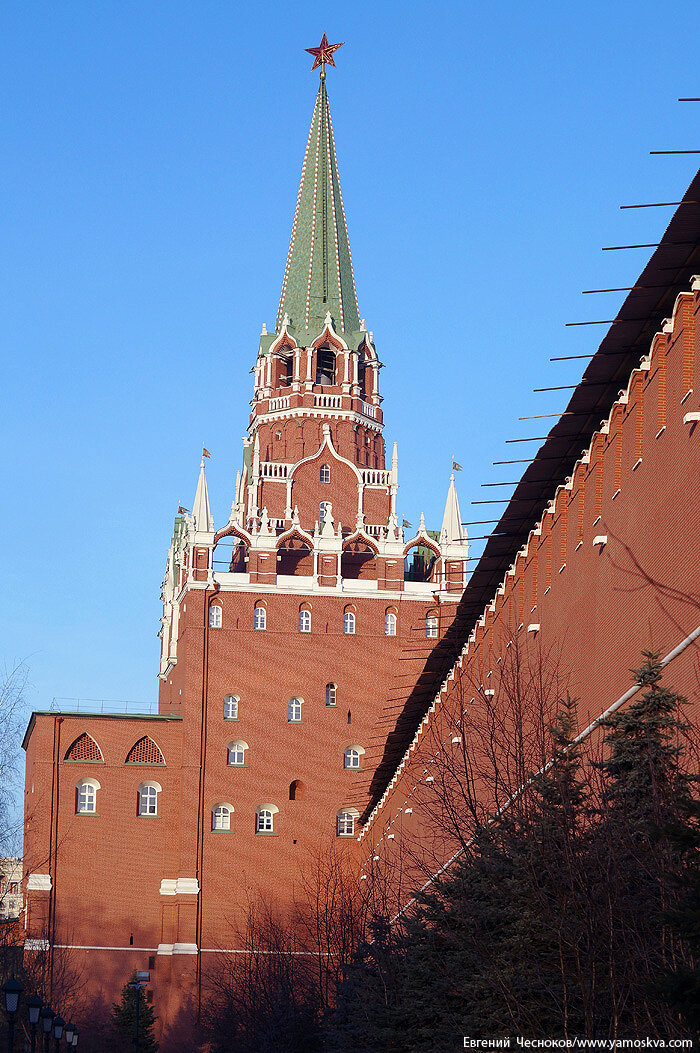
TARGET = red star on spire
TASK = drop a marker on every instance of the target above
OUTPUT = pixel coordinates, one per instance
(323, 53)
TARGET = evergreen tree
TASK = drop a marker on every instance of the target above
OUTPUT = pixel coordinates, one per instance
(124, 1020)
(640, 867)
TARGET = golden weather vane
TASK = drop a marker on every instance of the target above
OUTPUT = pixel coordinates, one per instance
(323, 54)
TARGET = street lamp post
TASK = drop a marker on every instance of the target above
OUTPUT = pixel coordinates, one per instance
(47, 1014)
(58, 1026)
(34, 1005)
(11, 990)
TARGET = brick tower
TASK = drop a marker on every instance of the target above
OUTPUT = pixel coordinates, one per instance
(292, 638)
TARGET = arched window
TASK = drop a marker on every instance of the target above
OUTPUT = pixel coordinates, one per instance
(390, 623)
(294, 710)
(351, 757)
(349, 623)
(331, 694)
(221, 816)
(345, 822)
(236, 753)
(431, 624)
(215, 616)
(325, 473)
(86, 797)
(297, 790)
(264, 818)
(304, 620)
(260, 616)
(148, 798)
(231, 707)
(325, 366)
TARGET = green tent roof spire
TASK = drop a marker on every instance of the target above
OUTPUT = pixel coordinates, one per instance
(318, 277)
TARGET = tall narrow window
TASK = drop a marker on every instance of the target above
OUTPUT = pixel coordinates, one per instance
(304, 621)
(349, 623)
(264, 821)
(231, 707)
(322, 508)
(264, 818)
(390, 624)
(215, 616)
(86, 797)
(325, 473)
(345, 823)
(221, 817)
(351, 756)
(294, 710)
(260, 617)
(236, 753)
(148, 798)
(431, 626)
(331, 692)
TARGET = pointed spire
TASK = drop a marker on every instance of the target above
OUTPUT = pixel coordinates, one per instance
(452, 521)
(203, 519)
(318, 277)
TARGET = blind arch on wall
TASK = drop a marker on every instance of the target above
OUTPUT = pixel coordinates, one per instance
(84, 748)
(145, 751)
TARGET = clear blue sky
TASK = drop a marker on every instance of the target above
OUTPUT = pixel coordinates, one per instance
(152, 153)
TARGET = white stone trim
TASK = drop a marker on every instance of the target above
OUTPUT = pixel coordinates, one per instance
(36, 945)
(39, 883)
(185, 948)
(188, 886)
(184, 886)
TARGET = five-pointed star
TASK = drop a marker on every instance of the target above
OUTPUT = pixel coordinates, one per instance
(323, 53)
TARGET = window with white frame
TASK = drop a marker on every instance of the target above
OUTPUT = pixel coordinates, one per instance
(322, 508)
(390, 624)
(294, 710)
(260, 617)
(304, 621)
(231, 707)
(351, 756)
(345, 822)
(221, 817)
(331, 694)
(148, 798)
(236, 753)
(431, 626)
(349, 623)
(215, 616)
(86, 797)
(265, 818)
(325, 474)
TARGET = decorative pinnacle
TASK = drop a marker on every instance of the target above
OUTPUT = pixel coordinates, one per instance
(323, 54)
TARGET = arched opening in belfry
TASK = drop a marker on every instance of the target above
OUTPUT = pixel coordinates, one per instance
(361, 378)
(358, 561)
(420, 563)
(295, 557)
(231, 555)
(287, 371)
(325, 366)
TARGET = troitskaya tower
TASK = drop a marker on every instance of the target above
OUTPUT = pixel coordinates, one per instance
(293, 637)
(314, 498)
